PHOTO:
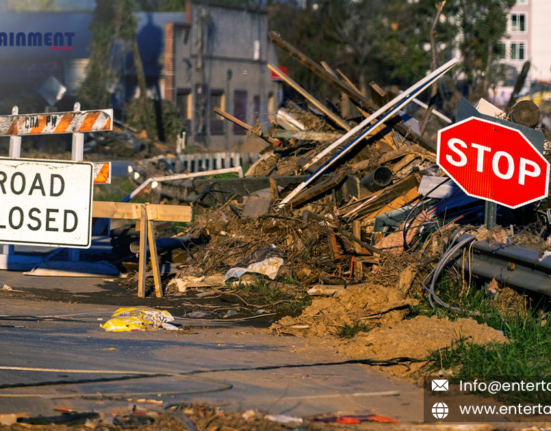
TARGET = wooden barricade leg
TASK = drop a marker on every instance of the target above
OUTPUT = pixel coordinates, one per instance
(154, 259)
(357, 232)
(143, 252)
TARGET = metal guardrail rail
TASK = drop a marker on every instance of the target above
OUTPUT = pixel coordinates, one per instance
(515, 266)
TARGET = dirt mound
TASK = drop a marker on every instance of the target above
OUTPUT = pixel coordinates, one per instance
(366, 304)
(418, 338)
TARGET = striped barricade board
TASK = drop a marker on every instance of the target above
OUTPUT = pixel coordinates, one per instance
(56, 123)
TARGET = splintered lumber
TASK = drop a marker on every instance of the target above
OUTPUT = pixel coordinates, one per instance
(154, 259)
(379, 96)
(334, 117)
(131, 211)
(394, 197)
(394, 121)
(318, 189)
(351, 85)
(306, 135)
(386, 112)
(245, 126)
(396, 154)
(142, 258)
(328, 68)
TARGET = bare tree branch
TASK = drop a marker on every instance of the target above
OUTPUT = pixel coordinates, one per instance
(434, 54)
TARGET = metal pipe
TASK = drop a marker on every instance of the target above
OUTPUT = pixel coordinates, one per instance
(238, 170)
(377, 179)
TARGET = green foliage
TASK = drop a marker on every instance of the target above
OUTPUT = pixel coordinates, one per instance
(119, 188)
(103, 31)
(388, 40)
(170, 119)
(525, 357)
(26, 102)
(33, 5)
(350, 331)
(180, 5)
(276, 298)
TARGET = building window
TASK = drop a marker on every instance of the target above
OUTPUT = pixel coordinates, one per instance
(522, 1)
(256, 109)
(184, 106)
(502, 50)
(271, 107)
(517, 50)
(518, 22)
(217, 100)
(239, 110)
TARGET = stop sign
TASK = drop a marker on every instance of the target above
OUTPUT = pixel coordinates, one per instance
(493, 162)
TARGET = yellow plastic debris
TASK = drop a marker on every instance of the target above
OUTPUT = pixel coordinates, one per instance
(139, 319)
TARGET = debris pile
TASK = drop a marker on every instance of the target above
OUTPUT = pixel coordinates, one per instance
(355, 211)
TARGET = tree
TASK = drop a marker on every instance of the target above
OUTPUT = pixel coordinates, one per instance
(33, 5)
(126, 22)
(482, 24)
(388, 41)
(103, 33)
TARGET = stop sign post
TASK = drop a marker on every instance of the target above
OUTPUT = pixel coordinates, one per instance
(493, 161)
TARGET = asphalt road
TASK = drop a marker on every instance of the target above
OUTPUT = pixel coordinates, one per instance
(238, 367)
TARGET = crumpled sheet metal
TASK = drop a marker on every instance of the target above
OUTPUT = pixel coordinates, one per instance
(268, 267)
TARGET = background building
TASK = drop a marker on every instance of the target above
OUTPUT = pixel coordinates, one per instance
(208, 56)
(528, 38)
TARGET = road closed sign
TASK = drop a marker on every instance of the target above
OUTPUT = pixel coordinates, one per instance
(46, 203)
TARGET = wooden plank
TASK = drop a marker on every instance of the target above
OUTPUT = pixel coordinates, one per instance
(318, 189)
(389, 198)
(245, 126)
(328, 68)
(357, 232)
(132, 211)
(142, 258)
(398, 166)
(334, 117)
(154, 259)
(378, 95)
(306, 135)
(395, 121)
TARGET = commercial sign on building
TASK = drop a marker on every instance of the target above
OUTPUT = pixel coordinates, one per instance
(46, 203)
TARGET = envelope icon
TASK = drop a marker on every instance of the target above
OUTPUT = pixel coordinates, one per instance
(440, 385)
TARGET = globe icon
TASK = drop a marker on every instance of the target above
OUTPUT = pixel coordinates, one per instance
(440, 410)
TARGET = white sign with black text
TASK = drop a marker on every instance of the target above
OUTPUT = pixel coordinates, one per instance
(46, 203)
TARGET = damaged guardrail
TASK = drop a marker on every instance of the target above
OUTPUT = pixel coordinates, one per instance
(513, 265)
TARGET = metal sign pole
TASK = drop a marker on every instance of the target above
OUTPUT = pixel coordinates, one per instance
(15, 153)
(490, 214)
(77, 155)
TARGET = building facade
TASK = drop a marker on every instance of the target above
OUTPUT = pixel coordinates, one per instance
(528, 37)
(218, 59)
(208, 56)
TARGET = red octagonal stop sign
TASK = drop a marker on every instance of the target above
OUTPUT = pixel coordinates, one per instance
(493, 162)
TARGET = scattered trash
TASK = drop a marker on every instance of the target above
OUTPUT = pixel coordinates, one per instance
(139, 319)
(269, 267)
(284, 419)
(355, 419)
(6, 287)
(69, 419)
